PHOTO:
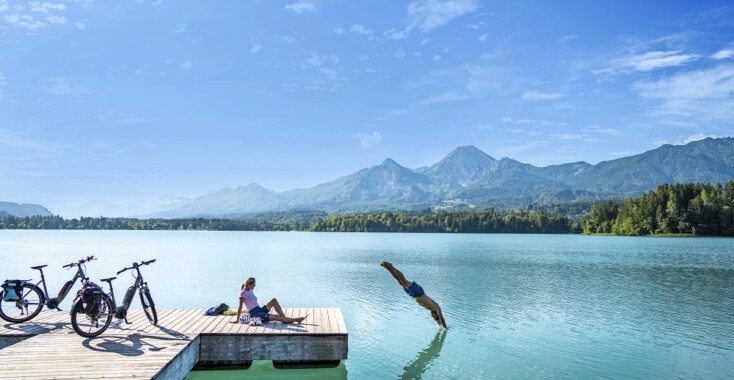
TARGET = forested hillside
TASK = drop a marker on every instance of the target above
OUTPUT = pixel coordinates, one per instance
(695, 209)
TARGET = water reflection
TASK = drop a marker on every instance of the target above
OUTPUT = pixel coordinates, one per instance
(263, 369)
(419, 365)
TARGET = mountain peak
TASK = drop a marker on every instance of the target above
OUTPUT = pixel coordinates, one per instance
(389, 162)
(469, 151)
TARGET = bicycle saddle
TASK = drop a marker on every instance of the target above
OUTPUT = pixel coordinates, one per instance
(108, 279)
(39, 267)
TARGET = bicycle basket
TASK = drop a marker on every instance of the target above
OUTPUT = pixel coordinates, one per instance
(13, 290)
(91, 300)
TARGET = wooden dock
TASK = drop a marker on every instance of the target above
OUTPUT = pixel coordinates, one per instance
(48, 348)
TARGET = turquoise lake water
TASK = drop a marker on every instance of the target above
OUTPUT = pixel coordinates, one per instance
(517, 306)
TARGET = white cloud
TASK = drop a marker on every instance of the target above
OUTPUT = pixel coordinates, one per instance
(301, 6)
(181, 28)
(60, 86)
(361, 29)
(436, 58)
(45, 7)
(186, 66)
(255, 48)
(368, 140)
(327, 65)
(430, 14)
(32, 21)
(723, 54)
(399, 53)
(701, 95)
(483, 37)
(25, 21)
(604, 131)
(537, 95)
(510, 119)
(567, 38)
(80, 25)
(427, 15)
(648, 61)
(339, 30)
(683, 140)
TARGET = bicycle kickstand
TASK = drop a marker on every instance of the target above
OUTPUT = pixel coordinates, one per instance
(129, 323)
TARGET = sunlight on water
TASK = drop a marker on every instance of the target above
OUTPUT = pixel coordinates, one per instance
(517, 306)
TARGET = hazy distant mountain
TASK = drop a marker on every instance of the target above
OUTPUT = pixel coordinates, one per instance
(101, 207)
(245, 199)
(17, 209)
(470, 177)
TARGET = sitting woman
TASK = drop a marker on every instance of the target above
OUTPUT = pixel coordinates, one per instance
(263, 312)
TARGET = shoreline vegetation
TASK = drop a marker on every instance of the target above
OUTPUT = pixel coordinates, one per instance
(670, 211)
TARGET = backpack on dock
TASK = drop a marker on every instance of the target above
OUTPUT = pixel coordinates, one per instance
(217, 310)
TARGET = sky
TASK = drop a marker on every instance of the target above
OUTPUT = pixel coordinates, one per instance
(134, 99)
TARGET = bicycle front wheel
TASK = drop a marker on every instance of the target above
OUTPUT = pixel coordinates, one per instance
(148, 306)
(23, 309)
(90, 326)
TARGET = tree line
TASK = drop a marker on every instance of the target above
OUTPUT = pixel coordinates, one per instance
(488, 221)
(693, 208)
(102, 223)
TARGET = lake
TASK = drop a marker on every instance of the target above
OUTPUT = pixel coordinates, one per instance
(517, 306)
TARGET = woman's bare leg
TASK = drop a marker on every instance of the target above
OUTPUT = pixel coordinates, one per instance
(396, 273)
(274, 305)
(276, 317)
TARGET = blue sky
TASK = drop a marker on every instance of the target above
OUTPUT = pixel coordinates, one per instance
(127, 100)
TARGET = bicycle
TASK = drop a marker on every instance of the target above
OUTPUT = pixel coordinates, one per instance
(22, 300)
(93, 310)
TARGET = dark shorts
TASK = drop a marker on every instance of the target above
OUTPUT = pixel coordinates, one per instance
(414, 290)
(261, 312)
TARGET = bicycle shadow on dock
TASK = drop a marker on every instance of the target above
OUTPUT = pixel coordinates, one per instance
(36, 328)
(132, 345)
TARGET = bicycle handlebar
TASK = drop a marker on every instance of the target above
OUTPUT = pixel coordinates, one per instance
(80, 262)
(135, 265)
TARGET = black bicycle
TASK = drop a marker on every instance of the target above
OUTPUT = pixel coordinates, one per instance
(93, 311)
(22, 300)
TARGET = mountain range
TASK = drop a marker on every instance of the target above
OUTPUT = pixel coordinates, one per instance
(468, 177)
(465, 178)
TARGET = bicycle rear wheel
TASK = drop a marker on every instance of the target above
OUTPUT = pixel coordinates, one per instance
(148, 306)
(24, 309)
(90, 326)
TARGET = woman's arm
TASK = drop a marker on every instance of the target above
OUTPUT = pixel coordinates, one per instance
(239, 312)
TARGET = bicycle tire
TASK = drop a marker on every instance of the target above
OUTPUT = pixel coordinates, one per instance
(80, 321)
(148, 306)
(32, 295)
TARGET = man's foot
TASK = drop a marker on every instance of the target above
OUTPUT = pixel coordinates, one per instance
(385, 264)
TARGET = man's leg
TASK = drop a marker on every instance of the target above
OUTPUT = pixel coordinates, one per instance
(396, 273)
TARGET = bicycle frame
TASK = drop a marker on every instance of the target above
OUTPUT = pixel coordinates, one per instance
(65, 289)
(121, 311)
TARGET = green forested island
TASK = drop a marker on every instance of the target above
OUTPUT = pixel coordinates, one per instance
(689, 209)
(681, 209)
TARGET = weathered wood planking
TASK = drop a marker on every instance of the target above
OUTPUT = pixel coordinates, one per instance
(48, 348)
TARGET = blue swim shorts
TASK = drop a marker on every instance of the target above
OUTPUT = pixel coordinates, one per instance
(414, 290)
(261, 312)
